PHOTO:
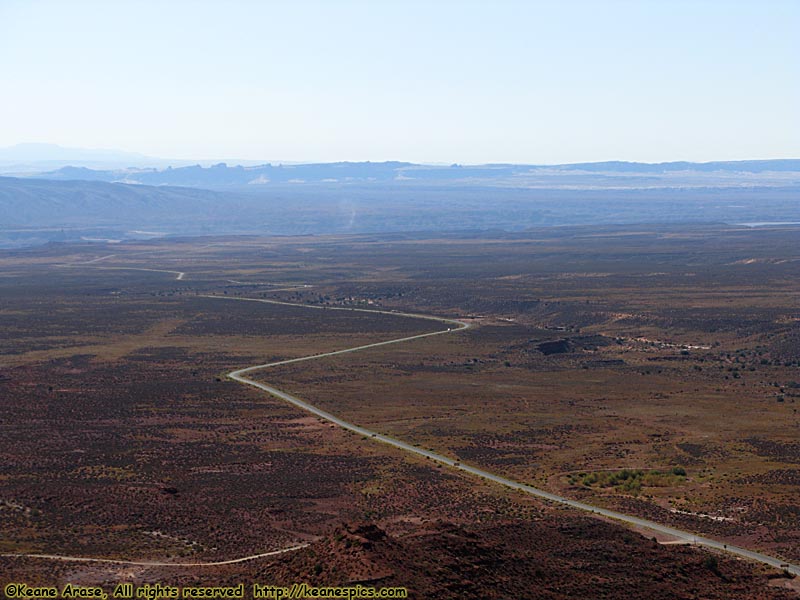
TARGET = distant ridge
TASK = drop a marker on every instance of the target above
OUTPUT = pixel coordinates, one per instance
(588, 175)
(51, 161)
(749, 166)
(31, 158)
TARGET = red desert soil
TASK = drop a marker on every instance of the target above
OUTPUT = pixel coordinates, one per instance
(562, 556)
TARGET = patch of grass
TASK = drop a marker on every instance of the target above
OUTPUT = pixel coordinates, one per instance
(630, 481)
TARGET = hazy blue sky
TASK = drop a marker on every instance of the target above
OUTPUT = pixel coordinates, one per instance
(541, 82)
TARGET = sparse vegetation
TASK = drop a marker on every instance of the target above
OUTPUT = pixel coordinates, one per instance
(630, 481)
(124, 373)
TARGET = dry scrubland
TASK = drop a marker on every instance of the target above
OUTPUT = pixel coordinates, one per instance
(654, 370)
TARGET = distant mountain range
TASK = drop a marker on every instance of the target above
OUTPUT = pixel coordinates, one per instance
(112, 195)
(35, 158)
(601, 175)
(31, 158)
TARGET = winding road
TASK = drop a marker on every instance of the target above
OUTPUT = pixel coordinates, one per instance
(453, 325)
(685, 536)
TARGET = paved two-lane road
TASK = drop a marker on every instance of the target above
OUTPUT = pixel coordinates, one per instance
(452, 325)
(455, 325)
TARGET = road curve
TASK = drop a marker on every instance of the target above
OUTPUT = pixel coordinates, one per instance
(239, 375)
(154, 563)
(179, 275)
